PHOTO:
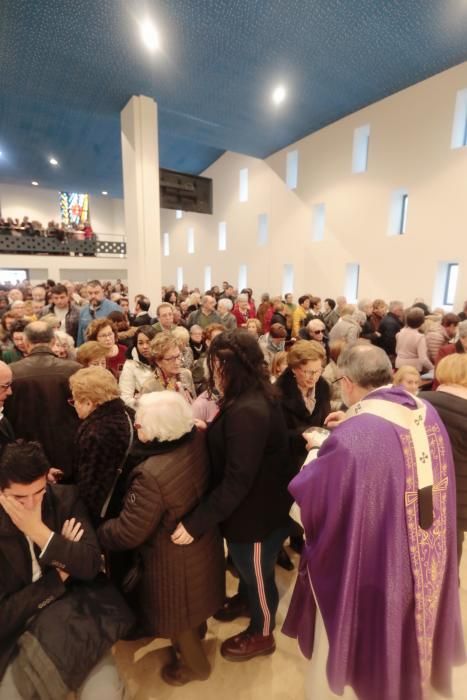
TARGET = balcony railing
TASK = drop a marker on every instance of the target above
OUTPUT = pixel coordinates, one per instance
(38, 245)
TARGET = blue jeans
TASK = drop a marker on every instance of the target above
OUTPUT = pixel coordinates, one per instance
(255, 562)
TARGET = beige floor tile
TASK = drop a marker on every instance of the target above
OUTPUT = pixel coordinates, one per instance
(276, 677)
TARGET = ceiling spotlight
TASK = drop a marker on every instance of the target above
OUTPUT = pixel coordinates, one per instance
(34, 183)
(278, 95)
(53, 161)
(149, 35)
(104, 193)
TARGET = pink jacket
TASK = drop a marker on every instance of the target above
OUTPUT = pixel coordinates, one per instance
(411, 350)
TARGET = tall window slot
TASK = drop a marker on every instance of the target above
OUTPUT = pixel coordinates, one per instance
(166, 244)
(361, 141)
(222, 236)
(243, 192)
(263, 229)
(242, 277)
(452, 273)
(191, 241)
(398, 213)
(207, 278)
(178, 214)
(291, 175)
(179, 278)
(287, 279)
(352, 274)
(319, 216)
(459, 124)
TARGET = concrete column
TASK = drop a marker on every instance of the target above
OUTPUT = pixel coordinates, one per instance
(140, 158)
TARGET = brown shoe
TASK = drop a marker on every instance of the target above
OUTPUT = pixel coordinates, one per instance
(179, 674)
(233, 607)
(245, 646)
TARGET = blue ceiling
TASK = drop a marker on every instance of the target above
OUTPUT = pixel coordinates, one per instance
(68, 67)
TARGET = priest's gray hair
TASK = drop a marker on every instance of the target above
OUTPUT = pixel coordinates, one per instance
(365, 365)
(164, 415)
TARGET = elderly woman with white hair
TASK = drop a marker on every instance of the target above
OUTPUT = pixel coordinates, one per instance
(180, 586)
(224, 308)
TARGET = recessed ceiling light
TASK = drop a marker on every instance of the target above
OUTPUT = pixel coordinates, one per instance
(278, 95)
(53, 161)
(104, 193)
(149, 35)
(34, 183)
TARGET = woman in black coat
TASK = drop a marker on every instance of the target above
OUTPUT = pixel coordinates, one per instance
(247, 443)
(103, 438)
(305, 396)
(450, 400)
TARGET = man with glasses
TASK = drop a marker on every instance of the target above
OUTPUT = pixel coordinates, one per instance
(6, 379)
(377, 604)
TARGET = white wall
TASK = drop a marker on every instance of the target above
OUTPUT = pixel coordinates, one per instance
(410, 147)
(43, 205)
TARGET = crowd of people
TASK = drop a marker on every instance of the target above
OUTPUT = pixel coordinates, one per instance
(59, 231)
(174, 441)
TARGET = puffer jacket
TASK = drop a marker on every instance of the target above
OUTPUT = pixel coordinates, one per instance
(181, 586)
(132, 378)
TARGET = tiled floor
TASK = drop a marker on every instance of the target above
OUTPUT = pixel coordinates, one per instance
(276, 677)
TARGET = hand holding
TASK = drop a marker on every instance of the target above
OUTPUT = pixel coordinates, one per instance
(334, 418)
(181, 536)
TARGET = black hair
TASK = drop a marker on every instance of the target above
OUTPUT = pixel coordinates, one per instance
(303, 298)
(18, 326)
(22, 462)
(241, 365)
(150, 333)
(331, 303)
(59, 289)
(144, 303)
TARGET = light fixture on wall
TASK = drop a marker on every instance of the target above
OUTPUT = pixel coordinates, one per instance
(34, 183)
(149, 35)
(278, 94)
(104, 193)
(53, 161)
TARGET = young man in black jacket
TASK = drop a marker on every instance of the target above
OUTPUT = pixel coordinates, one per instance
(46, 542)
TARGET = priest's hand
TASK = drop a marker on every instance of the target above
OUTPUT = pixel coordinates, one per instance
(334, 419)
(181, 536)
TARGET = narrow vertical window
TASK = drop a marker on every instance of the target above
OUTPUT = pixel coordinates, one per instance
(190, 243)
(319, 216)
(242, 277)
(459, 124)
(291, 175)
(166, 244)
(178, 214)
(361, 141)
(398, 213)
(452, 273)
(287, 279)
(352, 274)
(207, 278)
(243, 192)
(222, 236)
(179, 278)
(263, 229)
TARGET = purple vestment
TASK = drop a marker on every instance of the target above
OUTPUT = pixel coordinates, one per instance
(386, 588)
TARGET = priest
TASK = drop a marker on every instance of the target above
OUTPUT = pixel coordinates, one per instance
(376, 604)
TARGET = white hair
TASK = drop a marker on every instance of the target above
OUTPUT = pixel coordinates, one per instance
(225, 303)
(181, 334)
(164, 415)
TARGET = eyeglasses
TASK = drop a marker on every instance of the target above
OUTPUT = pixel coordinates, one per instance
(7, 385)
(310, 372)
(317, 332)
(173, 358)
(337, 380)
